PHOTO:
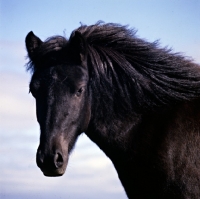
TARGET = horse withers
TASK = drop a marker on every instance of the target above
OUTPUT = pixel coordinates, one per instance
(137, 101)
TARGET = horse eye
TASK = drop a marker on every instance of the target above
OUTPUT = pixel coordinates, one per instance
(78, 93)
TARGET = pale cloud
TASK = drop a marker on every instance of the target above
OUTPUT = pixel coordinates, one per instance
(19, 174)
(89, 171)
(17, 107)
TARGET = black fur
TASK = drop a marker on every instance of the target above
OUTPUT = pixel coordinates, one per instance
(142, 105)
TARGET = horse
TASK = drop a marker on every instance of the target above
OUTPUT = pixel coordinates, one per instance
(139, 102)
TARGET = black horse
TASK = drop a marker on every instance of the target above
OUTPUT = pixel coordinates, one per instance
(138, 102)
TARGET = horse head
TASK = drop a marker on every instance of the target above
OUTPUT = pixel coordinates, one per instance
(59, 85)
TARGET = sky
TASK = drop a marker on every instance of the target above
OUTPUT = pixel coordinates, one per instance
(90, 174)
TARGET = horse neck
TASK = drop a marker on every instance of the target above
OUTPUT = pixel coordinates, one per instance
(115, 136)
(119, 139)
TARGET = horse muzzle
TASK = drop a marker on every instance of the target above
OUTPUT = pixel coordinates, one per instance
(53, 163)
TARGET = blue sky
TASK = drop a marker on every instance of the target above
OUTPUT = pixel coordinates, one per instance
(90, 173)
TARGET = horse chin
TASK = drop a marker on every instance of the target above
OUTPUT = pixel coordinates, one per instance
(54, 173)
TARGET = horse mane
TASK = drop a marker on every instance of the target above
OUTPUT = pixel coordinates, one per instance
(133, 74)
(129, 74)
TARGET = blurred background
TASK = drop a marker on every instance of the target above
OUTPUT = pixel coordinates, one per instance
(90, 174)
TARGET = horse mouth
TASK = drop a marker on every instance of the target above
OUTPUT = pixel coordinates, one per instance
(53, 173)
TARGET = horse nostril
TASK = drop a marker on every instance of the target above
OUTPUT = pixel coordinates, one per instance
(58, 160)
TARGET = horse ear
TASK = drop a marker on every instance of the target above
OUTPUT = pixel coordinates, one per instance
(78, 47)
(32, 42)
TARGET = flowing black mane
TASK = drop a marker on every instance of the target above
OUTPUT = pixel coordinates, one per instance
(139, 74)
